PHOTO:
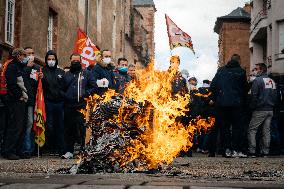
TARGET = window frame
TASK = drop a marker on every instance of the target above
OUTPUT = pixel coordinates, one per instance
(12, 24)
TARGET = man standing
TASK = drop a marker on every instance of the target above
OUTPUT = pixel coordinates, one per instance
(103, 72)
(16, 103)
(77, 85)
(31, 72)
(263, 100)
(121, 75)
(229, 88)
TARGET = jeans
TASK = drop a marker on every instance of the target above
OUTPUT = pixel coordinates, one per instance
(29, 137)
(260, 119)
(15, 128)
(55, 126)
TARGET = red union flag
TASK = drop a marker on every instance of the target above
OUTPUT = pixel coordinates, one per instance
(86, 49)
(177, 38)
(39, 116)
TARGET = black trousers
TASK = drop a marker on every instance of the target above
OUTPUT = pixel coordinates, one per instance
(15, 129)
(231, 128)
(74, 128)
(3, 124)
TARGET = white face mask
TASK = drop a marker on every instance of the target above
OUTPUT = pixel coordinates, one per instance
(51, 63)
(31, 58)
(107, 60)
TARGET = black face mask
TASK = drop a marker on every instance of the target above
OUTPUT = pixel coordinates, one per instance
(75, 66)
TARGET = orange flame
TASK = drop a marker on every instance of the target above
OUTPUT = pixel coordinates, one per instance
(164, 137)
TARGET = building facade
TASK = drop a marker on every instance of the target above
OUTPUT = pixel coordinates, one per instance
(267, 35)
(53, 24)
(234, 30)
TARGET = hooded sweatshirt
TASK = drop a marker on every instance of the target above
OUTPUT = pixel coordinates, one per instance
(52, 80)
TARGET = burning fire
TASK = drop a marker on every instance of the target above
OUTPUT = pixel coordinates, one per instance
(161, 136)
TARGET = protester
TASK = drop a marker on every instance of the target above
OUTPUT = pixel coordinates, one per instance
(132, 71)
(103, 72)
(229, 88)
(31, 72)
(77, 85)
(264, 98)
(54, 96)
(16, 102)
(178, 82)
(121, 75)
(3, 114)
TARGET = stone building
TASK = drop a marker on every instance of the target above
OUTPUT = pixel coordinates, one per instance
(267, 35)
(147, 9)
(234, 31)
(53, 24)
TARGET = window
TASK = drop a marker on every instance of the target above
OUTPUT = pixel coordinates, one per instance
(9, 21)
(281, 38)
(50, 31)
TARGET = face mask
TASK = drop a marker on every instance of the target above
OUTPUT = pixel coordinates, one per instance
(107, 60)
(31, 58)
(75, 66)
(25, 60)
(51, 63)
(123, 69)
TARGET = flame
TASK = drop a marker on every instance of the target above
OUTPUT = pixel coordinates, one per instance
(164, 137)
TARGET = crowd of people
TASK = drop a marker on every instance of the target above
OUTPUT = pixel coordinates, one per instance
(243, 110)
(64, 92)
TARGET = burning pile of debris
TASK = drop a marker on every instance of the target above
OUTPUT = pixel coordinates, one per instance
(138, 131)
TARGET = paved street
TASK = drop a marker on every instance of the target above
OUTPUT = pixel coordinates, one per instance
(197, 172)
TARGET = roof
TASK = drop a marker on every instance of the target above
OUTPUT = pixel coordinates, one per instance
(144, 3)
(238, 14)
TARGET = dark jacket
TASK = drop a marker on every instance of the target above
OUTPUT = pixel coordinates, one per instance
(179, 85)
(76, 89)
(121, 80)
(15, 69)
(31, 83)
(229, 86)
(100, 72)
(263, 93)
(52, 81)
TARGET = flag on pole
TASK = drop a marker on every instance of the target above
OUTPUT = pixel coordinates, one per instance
(39, 116)
(177, 37)
(86, 49)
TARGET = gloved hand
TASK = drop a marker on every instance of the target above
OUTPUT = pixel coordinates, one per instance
(103, 83)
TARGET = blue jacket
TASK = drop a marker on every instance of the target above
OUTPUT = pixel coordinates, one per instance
(77, 88)
(229, 86)
(100, 72)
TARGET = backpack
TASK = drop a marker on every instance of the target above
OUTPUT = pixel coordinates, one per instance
(3, 83)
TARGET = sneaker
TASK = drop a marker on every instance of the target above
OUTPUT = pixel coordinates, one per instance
(198, 150)
(25, 156)
(235, 154)
(242, 155)
(68, 155)
(227, 153)
(211, 154)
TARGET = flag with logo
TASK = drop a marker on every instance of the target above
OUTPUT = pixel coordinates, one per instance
(177, 37)
(86, 49)
(39, 116)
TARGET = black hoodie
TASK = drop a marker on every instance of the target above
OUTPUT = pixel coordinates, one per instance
(52, 80)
